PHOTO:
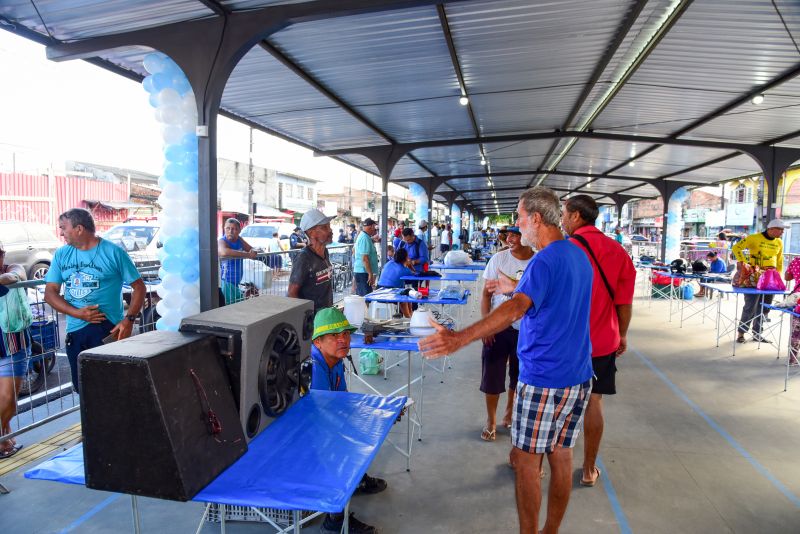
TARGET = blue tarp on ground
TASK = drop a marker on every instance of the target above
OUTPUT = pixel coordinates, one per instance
(311, 458)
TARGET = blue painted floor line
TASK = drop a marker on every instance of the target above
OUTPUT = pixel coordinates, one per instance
(794, 499)
(624, 527)
(88, 515)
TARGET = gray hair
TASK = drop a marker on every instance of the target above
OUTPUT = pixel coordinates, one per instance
(237, 222)
(78, 216)
(543, 201)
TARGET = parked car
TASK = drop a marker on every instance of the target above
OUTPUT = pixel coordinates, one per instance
(637, 237)
(29, 244)
(258, 235)
(141, 240)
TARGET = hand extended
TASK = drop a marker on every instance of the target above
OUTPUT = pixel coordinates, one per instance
(252, 254)
(123, 329)
(503, 285)
(442, 343)
(91, 314)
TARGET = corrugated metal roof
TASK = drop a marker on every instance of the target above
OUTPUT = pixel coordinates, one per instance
(733, 168)
(67, 20)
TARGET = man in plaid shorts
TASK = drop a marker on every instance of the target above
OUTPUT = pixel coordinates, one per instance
(553, 299)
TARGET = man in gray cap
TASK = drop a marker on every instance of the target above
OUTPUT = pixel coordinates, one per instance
(312, 272)
(765, 251)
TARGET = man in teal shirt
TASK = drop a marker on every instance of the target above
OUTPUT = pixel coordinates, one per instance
(365, 258)
(92, 271)
(618, 237)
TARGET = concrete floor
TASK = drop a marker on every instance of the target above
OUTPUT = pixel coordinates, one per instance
(695, 442)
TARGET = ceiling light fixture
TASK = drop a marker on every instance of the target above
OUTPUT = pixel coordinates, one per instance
(463, 100)
(483, 160)
(758, 99)
(632, 164)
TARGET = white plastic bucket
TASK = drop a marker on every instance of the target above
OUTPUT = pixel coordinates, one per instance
(380, 311)
(355, 308)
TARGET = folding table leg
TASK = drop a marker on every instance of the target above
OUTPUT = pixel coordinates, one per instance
(137, 528)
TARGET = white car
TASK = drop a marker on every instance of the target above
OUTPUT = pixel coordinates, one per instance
(259, 235)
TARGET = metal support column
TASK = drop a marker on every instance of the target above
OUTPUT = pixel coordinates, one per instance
(385, 237)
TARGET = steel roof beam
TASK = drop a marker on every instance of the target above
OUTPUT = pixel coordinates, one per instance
(605, 136)
(215, 6)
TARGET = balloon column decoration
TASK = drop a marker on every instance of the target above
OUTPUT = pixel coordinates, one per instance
(172, 97)
(471, 225)
(420, 198)
(456, 224)
(675, 223)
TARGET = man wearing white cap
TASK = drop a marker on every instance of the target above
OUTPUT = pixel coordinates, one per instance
(312, 272)
(764, 250)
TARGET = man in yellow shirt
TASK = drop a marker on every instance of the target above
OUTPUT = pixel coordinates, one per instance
(764, 250)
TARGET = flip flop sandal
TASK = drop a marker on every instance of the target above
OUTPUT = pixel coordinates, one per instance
(488, 435)
(590, 483)
(8, 453)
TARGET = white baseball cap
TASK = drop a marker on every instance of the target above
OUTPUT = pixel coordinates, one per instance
(313, 218)
(777, 223)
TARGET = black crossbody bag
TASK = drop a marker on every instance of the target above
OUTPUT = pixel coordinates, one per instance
(582, 240)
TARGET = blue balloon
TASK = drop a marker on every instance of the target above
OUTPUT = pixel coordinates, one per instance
(175, 172)
(173, 264)
(147, 83)
(174, 246)
(190, 274)
(190, 184)
(175, 153)
(189, 158)
(153, 100)
(189, 142)
(192, 237)
(154, 62)
(161, 81)
(161, 272)
(181, 84)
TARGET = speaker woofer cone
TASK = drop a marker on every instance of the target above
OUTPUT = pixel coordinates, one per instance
(278, 378)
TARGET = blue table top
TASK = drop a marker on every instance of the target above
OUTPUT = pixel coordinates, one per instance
(391, 295)
(727, 288)
(385, 343)
(471, 267)
(790, 311)
(447, 277)
(311, 458)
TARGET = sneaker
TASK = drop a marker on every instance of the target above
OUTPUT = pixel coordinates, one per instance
(760, 339)
(333, 524)
(740, 339)
(793, 362)
(370, 485)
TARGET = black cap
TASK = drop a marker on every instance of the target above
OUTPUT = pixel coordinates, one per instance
(368, 222)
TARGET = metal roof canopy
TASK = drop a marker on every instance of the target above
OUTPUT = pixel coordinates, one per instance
(616, 99)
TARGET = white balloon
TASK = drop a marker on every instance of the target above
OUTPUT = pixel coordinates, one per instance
(171, 134)
(174, 191)
(189, 105)
(172, 319)
(189, 308)
(166, 294)
(169, 97)
(169, 231)
(172, 283)
(187, 124)
(171, 115)
(191, 292)
(188, 219)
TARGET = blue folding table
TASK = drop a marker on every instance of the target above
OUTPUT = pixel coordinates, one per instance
(310, 458)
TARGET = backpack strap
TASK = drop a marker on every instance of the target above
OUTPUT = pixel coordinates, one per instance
(582, 240)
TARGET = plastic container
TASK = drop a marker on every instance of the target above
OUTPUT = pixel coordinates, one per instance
(355, 309)
(380, 311)
(420, 323)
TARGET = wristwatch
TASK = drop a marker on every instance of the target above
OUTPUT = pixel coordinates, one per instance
(131, 318)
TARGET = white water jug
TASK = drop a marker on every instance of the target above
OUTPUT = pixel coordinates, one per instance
(355, 308)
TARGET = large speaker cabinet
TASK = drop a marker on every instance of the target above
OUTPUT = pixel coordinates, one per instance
(158, 415)
(263, 341)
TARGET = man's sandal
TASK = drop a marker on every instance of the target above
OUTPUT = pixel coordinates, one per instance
(590, 483)
(489, 435)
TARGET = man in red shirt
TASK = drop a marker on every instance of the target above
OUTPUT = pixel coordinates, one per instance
(612, 297)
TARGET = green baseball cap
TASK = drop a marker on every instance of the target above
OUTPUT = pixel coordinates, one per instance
(331, 321)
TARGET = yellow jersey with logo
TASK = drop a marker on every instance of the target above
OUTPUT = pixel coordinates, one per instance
(761, 251)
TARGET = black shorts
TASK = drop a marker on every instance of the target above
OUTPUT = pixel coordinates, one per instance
(496, 358)
(605, 369)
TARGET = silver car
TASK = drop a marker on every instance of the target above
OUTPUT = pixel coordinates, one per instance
(29, 244)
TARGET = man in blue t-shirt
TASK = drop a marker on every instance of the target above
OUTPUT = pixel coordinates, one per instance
(365, 258)
(417, 250)
(553, 299)
(92, 271)
(330, 346)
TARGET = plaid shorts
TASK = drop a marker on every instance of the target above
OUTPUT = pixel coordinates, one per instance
(546, 418)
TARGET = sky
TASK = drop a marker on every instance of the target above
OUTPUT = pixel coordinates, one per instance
(76, 111)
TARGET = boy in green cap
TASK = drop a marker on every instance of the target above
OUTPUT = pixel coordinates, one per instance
(331, 345)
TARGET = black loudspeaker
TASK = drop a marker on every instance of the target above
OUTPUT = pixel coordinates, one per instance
(158, 415)
(264, 341)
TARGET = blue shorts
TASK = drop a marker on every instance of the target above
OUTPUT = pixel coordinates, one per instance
(15, 365)
(546, 418)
